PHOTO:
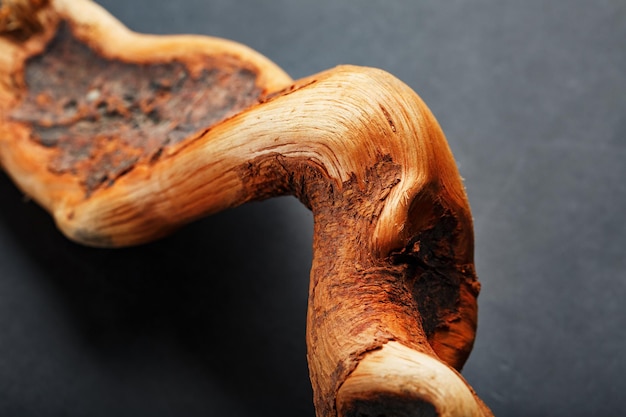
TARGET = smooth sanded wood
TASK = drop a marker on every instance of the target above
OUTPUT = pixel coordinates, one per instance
(134, 147)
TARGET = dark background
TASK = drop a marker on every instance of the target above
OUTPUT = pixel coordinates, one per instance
(211, 321)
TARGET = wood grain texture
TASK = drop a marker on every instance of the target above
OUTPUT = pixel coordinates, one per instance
(392, 279)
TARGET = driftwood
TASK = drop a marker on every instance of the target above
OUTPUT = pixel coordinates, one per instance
(125, 137)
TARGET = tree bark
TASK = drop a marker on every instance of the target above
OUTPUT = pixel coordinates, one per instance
(392, 304)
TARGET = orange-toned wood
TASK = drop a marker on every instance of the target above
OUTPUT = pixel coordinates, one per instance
(125, 137)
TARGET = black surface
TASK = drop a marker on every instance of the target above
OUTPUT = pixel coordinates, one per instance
(210, 322)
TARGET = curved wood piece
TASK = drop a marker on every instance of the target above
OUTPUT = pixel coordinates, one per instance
(401, 382)
(125, 137)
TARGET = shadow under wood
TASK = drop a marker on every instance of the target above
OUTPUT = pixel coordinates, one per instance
(390, 406)
(226, 294)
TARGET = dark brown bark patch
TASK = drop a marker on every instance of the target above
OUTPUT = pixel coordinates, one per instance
(432, 272)
(435, 277)
(104, 115)
(19, 20)
(389, 405)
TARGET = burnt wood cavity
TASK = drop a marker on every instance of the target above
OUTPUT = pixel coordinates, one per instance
(433, 274)
(103, 116)
(390, 405)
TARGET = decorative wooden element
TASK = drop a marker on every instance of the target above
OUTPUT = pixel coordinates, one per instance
(125, 137)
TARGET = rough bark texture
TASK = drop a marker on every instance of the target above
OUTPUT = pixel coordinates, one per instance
(19, 19)
(103, 115)
(358, 301)
(150, 133)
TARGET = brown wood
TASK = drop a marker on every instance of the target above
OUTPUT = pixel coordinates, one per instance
(148, 133)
